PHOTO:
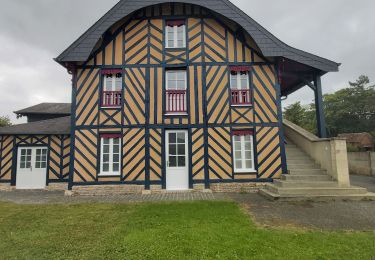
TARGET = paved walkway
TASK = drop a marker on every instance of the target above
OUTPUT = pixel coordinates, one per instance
(57, 197)
(330, 215)
(367, 182)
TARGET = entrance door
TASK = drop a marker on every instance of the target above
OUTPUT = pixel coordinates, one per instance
(177, 160)
(31, 168)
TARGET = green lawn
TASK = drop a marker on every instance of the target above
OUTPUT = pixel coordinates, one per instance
(197, 230)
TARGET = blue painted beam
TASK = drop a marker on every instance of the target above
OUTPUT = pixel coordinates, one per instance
(322, 131)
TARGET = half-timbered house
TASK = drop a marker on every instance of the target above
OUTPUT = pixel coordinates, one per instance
(167, 96)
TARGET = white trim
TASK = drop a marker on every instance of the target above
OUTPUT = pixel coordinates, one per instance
(243, 159)
(110, 154)
(175, 40)
(177, 178)
(176, 114)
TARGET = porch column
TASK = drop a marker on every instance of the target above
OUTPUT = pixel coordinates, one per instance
(321, 122)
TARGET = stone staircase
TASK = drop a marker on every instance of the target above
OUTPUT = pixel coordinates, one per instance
(306, 180)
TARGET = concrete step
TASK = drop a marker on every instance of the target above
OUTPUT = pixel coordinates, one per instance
(354, 197)
(316, 191)
(299, 156)
(306, 171)
(304, 184)
(303, 166)
(296, 161)
(305, 177)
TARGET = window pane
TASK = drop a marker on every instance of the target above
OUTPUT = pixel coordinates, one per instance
(105, 167)
(247, 146)
(238, 164)
(105, 148)
(106, 158)
(181, 149)
(181, 85)
(237, 146)
(37, 165)
(116, 167)
(249, 164)
(181, 161)
(28, 164)
(116, 141)
(116, 158)
(233, 79)
(172, 149)
(43, 165)
(244, 83)
(172, 161)
(181, 138)
(118, 84)
(105, 141)
(237, 155)
(247, 138)
(23, 152)
(116, 149)
(172, 138)
(108, 84)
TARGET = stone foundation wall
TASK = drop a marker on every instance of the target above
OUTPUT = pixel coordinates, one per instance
(57, 186)
(105, 190)
(108, 190)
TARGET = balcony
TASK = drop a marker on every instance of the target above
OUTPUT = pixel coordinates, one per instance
(176, 102)
(241, 97)
(111, 99)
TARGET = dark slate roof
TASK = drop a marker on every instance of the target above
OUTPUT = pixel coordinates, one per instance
(57, 126)
(270, 46)
(47, 108)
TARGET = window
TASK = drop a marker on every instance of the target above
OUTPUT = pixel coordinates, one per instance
(243, 151)
(110, 154)
(112, 87)
(25, 162)
(240, 87)
(176, 91)
(41, 159)
(175, 34)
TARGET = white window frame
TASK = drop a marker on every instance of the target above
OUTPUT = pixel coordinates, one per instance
(113, 83)
(243, 159)
(110, 172)
(175, 34)
(239, 81)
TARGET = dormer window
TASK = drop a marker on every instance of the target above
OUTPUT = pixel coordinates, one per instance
(112, 88)
(175, 34)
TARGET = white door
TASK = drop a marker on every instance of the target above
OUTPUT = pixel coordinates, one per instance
(177, 173)
(31, 168)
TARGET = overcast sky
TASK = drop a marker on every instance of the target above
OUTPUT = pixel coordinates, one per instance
(32, 33)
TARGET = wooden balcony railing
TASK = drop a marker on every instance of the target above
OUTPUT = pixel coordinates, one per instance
(176, 101)
(111, 99)
(241, 97)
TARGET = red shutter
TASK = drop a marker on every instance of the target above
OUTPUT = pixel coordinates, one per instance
(242, 132)
(108, 136)
(111, 71)
(175, 23)
(240, 68)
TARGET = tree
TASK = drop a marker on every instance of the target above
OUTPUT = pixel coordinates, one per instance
(5, 121)
(303, 116)
(348, 110)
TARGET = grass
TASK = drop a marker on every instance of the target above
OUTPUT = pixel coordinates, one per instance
(192, 230)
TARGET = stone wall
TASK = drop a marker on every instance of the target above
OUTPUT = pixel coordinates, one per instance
(362, 163)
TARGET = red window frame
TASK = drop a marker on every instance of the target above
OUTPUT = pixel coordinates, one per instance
(111, 98)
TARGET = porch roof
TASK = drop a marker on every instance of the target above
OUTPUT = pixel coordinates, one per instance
(58, 126)
(46, 108)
